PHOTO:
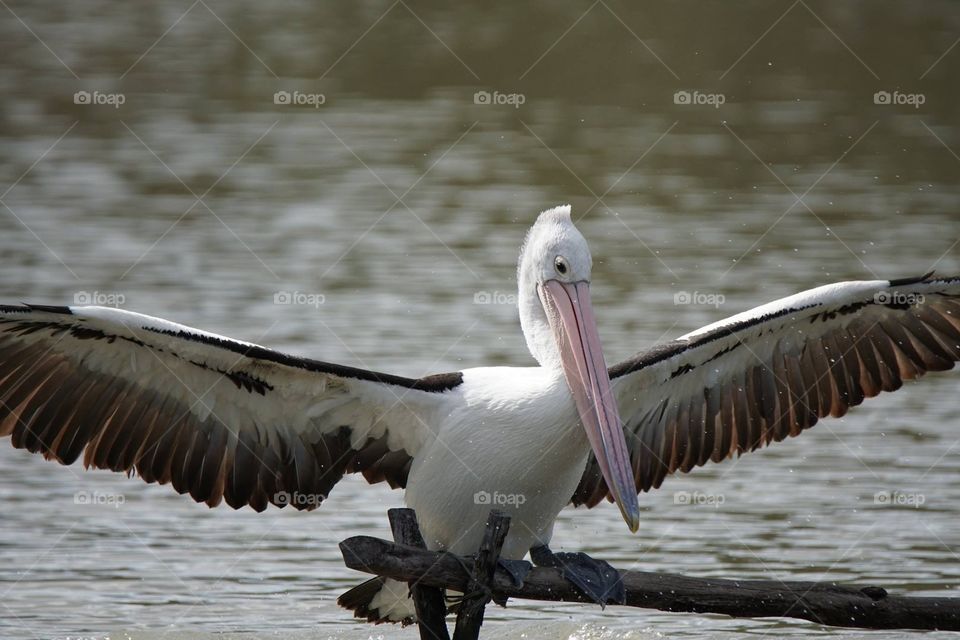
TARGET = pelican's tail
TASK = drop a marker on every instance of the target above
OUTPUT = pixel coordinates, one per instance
(380, 600)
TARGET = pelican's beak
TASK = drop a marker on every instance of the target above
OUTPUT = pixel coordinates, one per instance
(575, 330)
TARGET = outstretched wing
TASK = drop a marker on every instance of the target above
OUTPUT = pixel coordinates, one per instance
(771, 372)
(217, 418)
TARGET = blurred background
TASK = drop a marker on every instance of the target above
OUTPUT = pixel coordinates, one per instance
(352, 181)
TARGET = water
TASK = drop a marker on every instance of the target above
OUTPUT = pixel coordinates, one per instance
(400, 199)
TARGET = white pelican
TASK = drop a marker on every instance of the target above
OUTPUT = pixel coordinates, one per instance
(229, 421)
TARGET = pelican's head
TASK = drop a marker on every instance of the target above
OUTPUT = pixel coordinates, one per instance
(558, 324)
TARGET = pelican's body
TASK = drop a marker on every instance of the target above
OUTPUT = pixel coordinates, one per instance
(230, 421)
(526, 416)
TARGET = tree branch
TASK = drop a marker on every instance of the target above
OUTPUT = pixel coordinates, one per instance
(824, 603)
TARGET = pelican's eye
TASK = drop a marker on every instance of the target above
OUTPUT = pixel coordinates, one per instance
(560, 264)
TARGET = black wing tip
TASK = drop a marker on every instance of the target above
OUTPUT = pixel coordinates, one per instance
(902, 282)
(27, 308)
(439, 382)
(49, 308)
(929, 277)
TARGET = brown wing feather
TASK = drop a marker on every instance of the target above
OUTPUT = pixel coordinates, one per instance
(788, 390)
(56, 403)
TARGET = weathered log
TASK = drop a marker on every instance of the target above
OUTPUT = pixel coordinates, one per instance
(824, 603)
(478, 593)
(428, 600)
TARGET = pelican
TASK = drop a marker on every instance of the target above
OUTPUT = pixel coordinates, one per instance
(230, 421)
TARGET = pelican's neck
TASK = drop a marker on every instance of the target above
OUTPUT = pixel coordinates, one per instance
(533, 320)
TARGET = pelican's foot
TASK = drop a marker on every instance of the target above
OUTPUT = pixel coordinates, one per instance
(596, 579)
(518, 570)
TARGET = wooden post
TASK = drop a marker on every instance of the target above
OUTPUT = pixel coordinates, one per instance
(428, 601)
(480, 586)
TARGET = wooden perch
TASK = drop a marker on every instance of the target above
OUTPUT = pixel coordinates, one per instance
(480, 581)
(428, 601)
(823, 603)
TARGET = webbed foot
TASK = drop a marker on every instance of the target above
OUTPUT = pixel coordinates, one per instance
(594, 578)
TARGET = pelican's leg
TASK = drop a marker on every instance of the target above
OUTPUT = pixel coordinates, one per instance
(594, 578)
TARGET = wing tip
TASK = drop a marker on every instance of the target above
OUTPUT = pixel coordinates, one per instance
(901, 282)
(50, 308)
(26, 307)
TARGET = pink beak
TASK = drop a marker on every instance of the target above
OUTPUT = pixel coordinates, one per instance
(575, 330)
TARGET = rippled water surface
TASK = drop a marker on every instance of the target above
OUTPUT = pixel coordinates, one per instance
(400, 199)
